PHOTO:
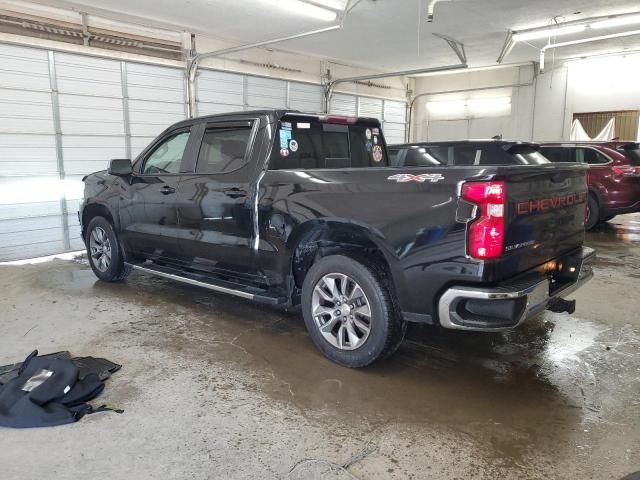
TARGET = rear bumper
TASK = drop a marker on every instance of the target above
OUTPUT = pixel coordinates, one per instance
(509, 304)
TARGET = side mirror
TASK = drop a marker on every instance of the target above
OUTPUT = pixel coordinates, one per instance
(121, 167)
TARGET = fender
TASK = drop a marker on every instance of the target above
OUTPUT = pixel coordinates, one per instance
(346, 232)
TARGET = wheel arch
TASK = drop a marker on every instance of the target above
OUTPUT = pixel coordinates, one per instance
(315, 239)
(93, 210)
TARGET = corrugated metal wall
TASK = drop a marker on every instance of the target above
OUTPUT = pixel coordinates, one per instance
(65, 115)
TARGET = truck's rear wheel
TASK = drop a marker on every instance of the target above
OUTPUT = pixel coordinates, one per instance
(350, 312)
(104, 252)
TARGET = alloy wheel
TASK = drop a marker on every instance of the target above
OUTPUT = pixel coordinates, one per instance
(341, 311)
(100, 248)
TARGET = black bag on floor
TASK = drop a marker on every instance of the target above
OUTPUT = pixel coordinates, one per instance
(47, 392)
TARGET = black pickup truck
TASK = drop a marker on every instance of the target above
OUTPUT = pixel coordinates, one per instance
(290, 209)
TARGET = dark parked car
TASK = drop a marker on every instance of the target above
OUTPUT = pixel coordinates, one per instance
(465, 153)
(292, 209)
(614, 175)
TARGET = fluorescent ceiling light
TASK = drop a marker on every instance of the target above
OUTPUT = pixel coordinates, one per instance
(546, 32)
(307, 9)
(617, 21)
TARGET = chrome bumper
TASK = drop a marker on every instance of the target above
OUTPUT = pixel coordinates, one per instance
(534, 293)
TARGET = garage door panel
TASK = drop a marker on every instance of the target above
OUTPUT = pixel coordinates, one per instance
(151, 118)
(370, 107)
(83, 75)
(266, 93)
(27, 154)
(395, 111)
(74, 186)
(138, 144)
(215, 108)
(24, 68)
(161, 84)
(24, 111)
(87, 154)
(40, 248)
(343, 104)
(394, 133)
(91, 115)
(26, 210)
(220, 88)
(304, 97)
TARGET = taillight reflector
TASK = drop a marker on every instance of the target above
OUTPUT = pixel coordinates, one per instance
(485, 237)
(626, 170)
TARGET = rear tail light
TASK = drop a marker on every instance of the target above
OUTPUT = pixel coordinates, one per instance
(626, 170)
(485, 237)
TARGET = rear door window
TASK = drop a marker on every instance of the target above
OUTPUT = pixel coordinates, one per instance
(556, 154)
(223, 148)
(305, 143)
(590, 156)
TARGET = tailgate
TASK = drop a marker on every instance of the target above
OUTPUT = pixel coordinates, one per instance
(545, 212)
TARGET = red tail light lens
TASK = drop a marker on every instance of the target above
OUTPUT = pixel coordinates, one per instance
(485, 238)
(626, 170)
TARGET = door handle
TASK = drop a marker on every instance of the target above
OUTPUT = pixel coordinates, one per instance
(235, 192)
(167, 190)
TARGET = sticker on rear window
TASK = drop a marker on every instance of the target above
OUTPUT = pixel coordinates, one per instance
(376, 131)
(368, 133)
(284, 152)
(377, 153)
(304, 125)
(285, 136)
(293, 145)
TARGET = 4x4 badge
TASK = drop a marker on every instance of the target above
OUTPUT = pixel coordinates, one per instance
(423, 177)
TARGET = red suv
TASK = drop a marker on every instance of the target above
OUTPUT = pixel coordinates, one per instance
(614, 175)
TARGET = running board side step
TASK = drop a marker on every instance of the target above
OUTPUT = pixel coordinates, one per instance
(231, 289)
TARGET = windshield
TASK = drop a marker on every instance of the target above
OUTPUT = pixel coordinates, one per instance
(307, 143)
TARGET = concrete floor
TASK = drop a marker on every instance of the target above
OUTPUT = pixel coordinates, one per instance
(215, 387)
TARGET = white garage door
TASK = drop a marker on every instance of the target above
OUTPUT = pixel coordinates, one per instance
(31, 221)
(64, 116)
(222, 92)
(392, 114)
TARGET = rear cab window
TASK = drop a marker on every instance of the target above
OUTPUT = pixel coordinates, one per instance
(310, 142)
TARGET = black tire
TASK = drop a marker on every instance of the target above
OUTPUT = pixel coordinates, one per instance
(116, 270)
(593, 213)
(387, 328)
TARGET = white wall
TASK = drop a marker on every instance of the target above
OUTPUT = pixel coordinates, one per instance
(470, 86)
(541, 112)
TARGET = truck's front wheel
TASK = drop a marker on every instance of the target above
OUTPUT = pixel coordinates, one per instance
(104, 252)
(350, 312)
